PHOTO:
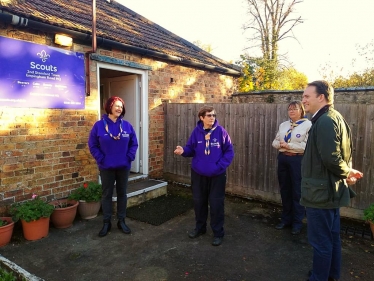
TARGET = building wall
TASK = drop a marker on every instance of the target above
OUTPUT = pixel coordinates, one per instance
(44, 151)
(351, 95)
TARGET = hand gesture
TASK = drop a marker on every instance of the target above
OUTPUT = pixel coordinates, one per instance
(179, 150)
(356, 174)
(353, 176)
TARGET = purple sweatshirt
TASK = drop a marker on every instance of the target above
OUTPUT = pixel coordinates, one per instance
(221, 150)
(108, 152)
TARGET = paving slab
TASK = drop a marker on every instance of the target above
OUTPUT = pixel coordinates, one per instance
(252, 250)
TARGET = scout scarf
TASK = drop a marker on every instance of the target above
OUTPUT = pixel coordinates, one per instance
(207, 139)
(110, 134)
(287, 137)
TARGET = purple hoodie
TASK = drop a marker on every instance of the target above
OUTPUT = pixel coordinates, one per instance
(108, 152)
(221, 150)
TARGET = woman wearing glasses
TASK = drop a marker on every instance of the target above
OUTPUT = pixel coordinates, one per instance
(291, 141)
(212, 152)
(113, 144)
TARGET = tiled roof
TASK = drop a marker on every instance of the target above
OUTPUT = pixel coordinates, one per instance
(114, 22)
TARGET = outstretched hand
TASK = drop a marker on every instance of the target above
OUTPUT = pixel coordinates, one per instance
(179, 150)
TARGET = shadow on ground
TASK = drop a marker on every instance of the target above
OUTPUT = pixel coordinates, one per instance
(252, 249)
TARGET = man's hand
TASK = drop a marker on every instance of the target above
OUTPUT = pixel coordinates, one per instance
(356, 174)
(179, 150)
(353, 176)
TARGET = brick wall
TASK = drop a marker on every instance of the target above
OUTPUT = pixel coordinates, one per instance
(45, 151)
(351, 95)
(188, 86)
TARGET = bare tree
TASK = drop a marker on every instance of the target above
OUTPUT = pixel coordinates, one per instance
(271, 21)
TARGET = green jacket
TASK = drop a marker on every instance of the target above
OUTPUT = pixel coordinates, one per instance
(327, 161)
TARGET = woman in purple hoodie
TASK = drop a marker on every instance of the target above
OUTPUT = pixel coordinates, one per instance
(212, 151)
(113, 144)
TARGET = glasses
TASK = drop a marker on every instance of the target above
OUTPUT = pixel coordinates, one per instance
(211, 115)
(293, 109)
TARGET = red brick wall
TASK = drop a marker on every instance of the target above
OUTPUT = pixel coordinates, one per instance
(45, 151)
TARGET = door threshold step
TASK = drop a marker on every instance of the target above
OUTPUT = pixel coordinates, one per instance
(141, 191)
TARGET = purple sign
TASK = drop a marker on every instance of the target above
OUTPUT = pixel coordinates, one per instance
(33, 75)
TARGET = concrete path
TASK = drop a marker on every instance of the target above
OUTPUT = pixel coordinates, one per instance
(252, 250)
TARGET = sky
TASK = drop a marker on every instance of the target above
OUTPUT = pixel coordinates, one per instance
(330, 34)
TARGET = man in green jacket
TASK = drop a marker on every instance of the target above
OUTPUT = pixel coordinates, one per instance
(326, 171)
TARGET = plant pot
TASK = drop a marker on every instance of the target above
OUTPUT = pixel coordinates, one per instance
(372, 227)
(6, 231)
(88, 210)
(35, 230)
(63, 217)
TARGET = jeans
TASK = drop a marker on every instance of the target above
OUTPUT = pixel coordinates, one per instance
(108, 178)
(324, 236)
(289, 178)
(212, 190)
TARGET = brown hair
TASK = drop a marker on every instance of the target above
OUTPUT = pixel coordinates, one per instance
(324, 88)
(294, 104)
(204, 110)
(109, 104)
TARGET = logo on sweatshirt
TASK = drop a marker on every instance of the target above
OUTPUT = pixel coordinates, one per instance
(215, 143)
(125, 134)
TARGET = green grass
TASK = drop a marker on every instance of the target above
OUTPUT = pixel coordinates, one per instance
(6, 276)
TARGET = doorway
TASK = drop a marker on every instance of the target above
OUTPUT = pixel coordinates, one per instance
(132, 86)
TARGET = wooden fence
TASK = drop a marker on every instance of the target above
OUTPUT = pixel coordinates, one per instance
(252, 127)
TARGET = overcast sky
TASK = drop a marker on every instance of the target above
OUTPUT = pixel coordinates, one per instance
(329, 35)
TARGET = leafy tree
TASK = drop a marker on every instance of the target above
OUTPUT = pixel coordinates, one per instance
(271, 21)
(262, 74)
(291, 79)
(357, 78)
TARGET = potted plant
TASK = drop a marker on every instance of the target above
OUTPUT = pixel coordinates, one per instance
(64, 212)
(6, 230)
(89, 196)
(369, 216)
(34, 215)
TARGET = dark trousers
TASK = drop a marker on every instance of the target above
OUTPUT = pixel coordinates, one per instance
(289, 178)
(209, 190)
(108, 178)
(324, 236)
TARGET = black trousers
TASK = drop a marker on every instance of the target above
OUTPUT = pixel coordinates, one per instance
(289, 177)
(108, 177)
(209, 190)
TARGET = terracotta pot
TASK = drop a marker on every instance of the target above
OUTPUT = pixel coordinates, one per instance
(6, 231)
(88, 210)
(372, 227)
(35, 230)
(64, 217)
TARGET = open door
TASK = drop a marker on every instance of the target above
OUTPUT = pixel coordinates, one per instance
(127, 88)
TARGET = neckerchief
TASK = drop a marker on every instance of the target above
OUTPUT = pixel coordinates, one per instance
(287, 137)
(207, 139)
(110, 134)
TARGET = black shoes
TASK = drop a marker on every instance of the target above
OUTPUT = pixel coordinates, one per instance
(108, 225)
(310, 272)
(217, 241)
(122, 225)
(106, 228)
(281, 225)
(196, 233)
(296, 231)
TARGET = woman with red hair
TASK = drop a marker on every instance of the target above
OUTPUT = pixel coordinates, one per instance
(113, 144)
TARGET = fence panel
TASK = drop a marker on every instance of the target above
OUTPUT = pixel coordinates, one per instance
(252, 127)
